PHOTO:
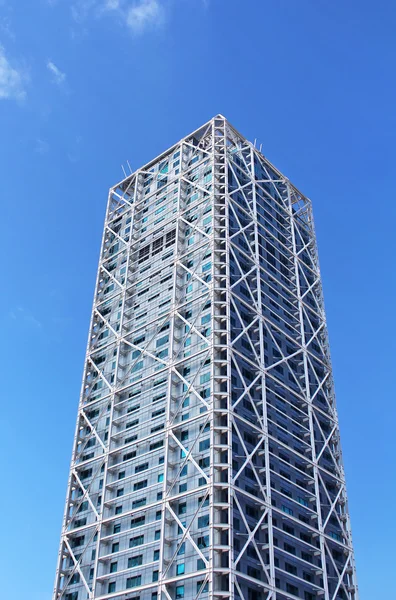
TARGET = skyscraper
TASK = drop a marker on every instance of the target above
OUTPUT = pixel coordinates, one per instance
(207, 461)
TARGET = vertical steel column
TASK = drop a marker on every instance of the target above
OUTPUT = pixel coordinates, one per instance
(212, 515)
(228, 363)
(221, 340)
(263, 380)
(164, 502)
(119, 338)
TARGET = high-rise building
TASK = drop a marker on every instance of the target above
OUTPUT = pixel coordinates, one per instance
(207, 461)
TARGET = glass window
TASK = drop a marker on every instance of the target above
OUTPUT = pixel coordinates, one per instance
(287, 510)
(135, 561)
(136, 541)
(203, 521)
(140, 485)
(200, 564)
(182, 548)
(204, 378)
(142, 467)
(203, 541)
(163, 340)
(132, 582)
(138, 521)
(204, 445)
(204, 502)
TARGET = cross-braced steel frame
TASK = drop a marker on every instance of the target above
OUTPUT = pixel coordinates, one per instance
(207, 461)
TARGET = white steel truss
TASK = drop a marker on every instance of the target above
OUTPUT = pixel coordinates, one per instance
(207, 460)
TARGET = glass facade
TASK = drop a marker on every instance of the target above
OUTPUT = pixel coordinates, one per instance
(206, 461)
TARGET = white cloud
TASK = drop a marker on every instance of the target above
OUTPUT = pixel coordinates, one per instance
(41, 146)
(5, 27)
(80, 10)
(11, 80)
(143, 15)
(58, 76)
(112, 4)
(139, 15)
(24, 316)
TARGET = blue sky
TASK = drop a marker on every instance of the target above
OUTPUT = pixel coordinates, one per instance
(86, 85)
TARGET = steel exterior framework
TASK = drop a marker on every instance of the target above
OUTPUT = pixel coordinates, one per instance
(207, 460)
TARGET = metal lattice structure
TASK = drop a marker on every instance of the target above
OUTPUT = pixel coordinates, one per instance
(207, 461)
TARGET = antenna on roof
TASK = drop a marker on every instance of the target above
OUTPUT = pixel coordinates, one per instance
(123, 170)
(255, 140)
(129, 166)
(261, 145)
